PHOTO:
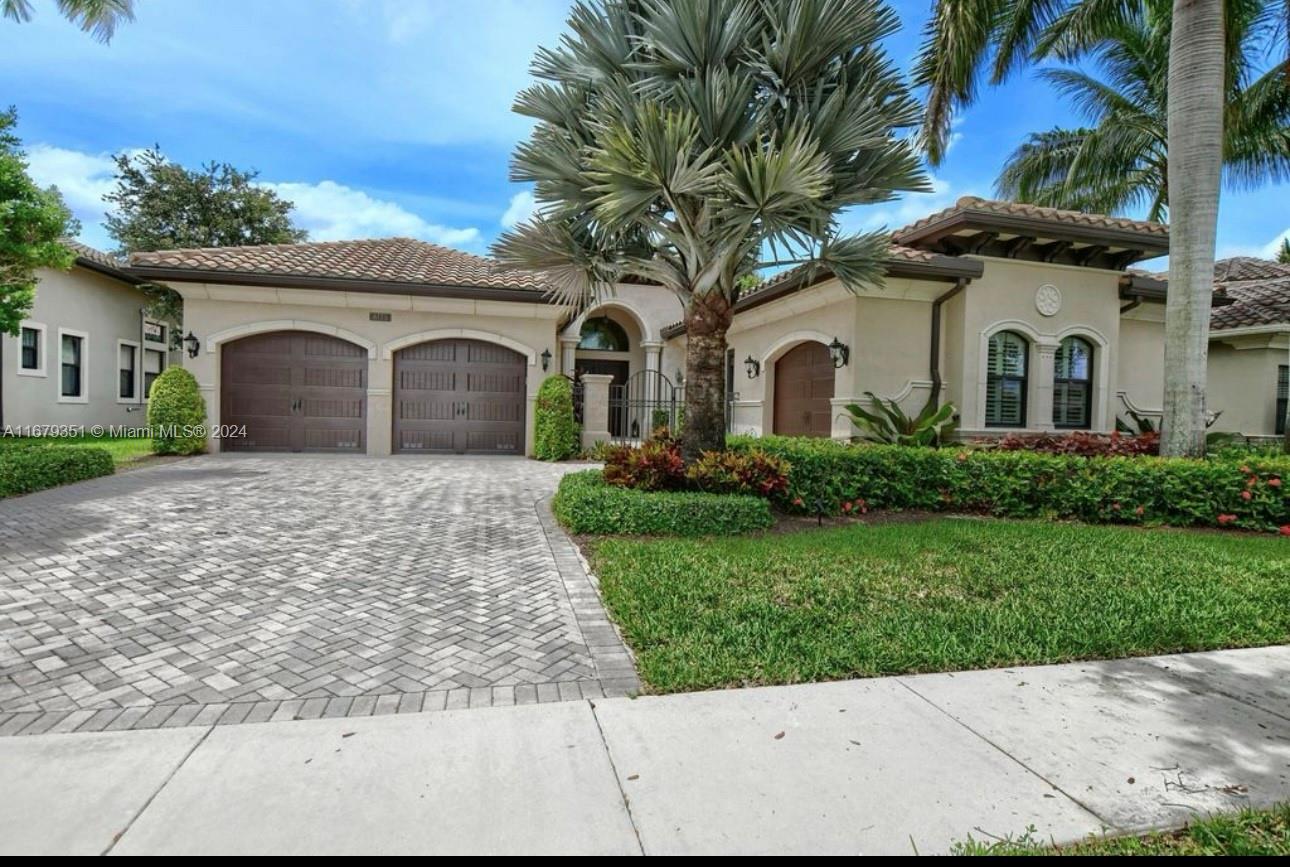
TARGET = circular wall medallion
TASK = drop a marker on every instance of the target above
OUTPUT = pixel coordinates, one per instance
(1048, 299)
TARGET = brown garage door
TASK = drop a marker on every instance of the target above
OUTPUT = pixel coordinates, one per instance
(294, 391)
(803, 389)
(459, 396)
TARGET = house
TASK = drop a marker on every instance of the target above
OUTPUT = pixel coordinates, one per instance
(86, 354)
(1026, 318)
(1249, 348)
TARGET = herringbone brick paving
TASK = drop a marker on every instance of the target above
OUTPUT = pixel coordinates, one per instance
(229, 589)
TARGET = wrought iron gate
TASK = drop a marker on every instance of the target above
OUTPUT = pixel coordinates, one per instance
(645, 402)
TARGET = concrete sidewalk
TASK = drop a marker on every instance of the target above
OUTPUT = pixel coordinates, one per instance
(883, 766)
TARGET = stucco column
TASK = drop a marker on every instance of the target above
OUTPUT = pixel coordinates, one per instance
(380, 406)
(595, 408)
(653, 349)
(1039, 415)
(568, 346)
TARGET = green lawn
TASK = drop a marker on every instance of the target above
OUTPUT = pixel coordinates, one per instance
(124, 450)
(941, 595)
(1250, 832)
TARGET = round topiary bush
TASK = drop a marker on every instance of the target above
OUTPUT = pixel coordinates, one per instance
(556, 432)
(177, 414)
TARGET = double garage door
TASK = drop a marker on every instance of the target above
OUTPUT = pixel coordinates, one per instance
(300, 391)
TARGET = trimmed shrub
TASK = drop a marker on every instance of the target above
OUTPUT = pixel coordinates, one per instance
(585, 503)
(1252, 493)
(655, 465)
(1083, 443)
(748, 472)
(555, 432)
(34, 468)
(177, 414)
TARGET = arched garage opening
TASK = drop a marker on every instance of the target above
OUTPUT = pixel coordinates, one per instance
(297, 391)
(803, 391)
(459, 396)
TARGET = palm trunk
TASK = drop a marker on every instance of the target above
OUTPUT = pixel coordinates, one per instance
(1196, 88)
(706, 322)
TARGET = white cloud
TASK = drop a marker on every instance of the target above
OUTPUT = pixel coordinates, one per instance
(333, 212)
(521, 208)
(83, 179)
(1273, 247)
(1261, 251)
(908, 208)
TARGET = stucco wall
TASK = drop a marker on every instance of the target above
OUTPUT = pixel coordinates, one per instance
(1243, 382)
(645, 311)
(1006, 297)
(1140, 367)
(104, 311)
(218, 314)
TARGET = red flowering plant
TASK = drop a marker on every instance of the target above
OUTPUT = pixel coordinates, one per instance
(751, 472)
(655, 465)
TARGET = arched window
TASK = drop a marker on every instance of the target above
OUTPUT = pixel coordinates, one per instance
(1005, 391)
(603, 334)
(1073, 384)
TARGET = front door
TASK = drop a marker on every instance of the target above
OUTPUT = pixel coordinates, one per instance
(804, 391)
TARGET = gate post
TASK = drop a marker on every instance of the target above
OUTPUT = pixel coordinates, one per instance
(595, 408)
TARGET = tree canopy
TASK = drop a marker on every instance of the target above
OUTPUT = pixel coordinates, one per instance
(161, 205)
(32, 223)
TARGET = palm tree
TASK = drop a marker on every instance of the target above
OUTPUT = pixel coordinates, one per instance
(97, 17)
(1283, 252)
(1120, 162)
(691, 142)
(965, 36)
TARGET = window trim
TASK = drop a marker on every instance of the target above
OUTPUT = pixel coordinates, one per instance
(42, 350)
(993, 377)
(627, 340)
(1280, 403)
(1088, 390)
(143, 369)
(84, 396)
(138, 371)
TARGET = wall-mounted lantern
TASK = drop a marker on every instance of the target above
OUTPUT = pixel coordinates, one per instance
(752, 367)
(546, 359)
(192, 344)
(840, 353)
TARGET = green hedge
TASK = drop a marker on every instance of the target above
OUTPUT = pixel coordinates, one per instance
(584, 503)
(555, 432)
(33, 468)
(177, 414)
(824, 475)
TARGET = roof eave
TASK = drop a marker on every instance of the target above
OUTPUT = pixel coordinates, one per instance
(108, 271)
(341, 284)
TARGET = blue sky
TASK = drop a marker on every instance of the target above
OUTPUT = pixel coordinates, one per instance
(392, 117)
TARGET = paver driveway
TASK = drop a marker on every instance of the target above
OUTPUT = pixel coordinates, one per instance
(244, 588)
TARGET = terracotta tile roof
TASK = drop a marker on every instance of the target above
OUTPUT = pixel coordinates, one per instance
(385, 260)
(1248, 268)
(87, 256)
(977, 205)
(1259, 290)
(898, 256)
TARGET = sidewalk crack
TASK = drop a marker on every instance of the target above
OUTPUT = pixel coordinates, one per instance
(1056, 788)
(148, 803)
(618, 779)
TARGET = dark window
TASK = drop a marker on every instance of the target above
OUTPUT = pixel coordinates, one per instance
(153, 363)
(604, 334)
(1005, 391)
(31, 349)
(126, 371)
(71, 365)
(1283, 396)
(1073, 383)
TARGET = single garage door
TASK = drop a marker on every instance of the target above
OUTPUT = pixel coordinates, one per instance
(459, 396)
(804, 391)
(294, 391)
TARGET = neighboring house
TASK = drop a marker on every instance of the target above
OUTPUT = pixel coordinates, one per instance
(1249, 346)
(86, 354)
(1026, 318)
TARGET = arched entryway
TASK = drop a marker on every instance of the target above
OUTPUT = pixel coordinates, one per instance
(297, 391)
(459, 396)
(804, 391)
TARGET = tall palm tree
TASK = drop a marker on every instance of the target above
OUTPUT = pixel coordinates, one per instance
(97, 17)
(691, 142)
(1119, 162)
(964, 37)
